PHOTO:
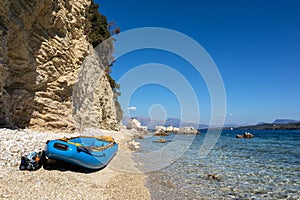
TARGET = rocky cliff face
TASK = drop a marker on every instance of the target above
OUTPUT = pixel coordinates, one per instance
(42, 47)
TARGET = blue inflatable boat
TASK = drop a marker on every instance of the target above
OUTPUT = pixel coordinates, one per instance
(83, 151)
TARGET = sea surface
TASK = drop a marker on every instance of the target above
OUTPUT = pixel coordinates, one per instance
(264, 167)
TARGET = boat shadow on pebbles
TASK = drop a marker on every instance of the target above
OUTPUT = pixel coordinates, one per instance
(52, 164)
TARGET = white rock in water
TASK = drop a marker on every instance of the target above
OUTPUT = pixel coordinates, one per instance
(188, 130)
(170, 129)
(176, 130)
(160, 128)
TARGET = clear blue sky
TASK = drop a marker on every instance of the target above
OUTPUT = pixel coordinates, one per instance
(254, 43)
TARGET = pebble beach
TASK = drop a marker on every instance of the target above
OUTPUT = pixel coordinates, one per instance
(108, 183)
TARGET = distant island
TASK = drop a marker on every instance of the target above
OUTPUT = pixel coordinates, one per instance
(272, 126)
(278, 124)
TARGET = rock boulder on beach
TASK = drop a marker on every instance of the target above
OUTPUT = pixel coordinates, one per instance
(133, 145)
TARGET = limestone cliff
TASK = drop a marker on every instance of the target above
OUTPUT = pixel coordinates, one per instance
(42, 47)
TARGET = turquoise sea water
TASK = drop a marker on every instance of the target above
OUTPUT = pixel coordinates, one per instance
(264, 167)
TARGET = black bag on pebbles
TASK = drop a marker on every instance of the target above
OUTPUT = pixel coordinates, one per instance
(32, 161)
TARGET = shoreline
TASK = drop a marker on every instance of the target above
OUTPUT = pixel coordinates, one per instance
(108, 183)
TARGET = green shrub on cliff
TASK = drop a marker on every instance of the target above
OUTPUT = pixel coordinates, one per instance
(98, 31)
(98, 27)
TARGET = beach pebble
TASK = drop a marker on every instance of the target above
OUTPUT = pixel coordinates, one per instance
(14, 144)
(225, 189)
(14, 149)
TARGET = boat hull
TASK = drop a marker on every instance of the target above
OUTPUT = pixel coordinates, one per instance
(74, 151)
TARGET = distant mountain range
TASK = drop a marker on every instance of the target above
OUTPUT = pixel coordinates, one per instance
(289, 126)
(284, 121)
(280, 121)
(278, 124)
(175, 122)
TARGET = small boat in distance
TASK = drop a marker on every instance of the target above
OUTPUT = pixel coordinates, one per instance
(84, 151)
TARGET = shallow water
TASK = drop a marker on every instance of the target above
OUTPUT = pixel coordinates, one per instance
(264, 167)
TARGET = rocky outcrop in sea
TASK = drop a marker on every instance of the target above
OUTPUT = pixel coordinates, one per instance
(245, 135)
(160, 130)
